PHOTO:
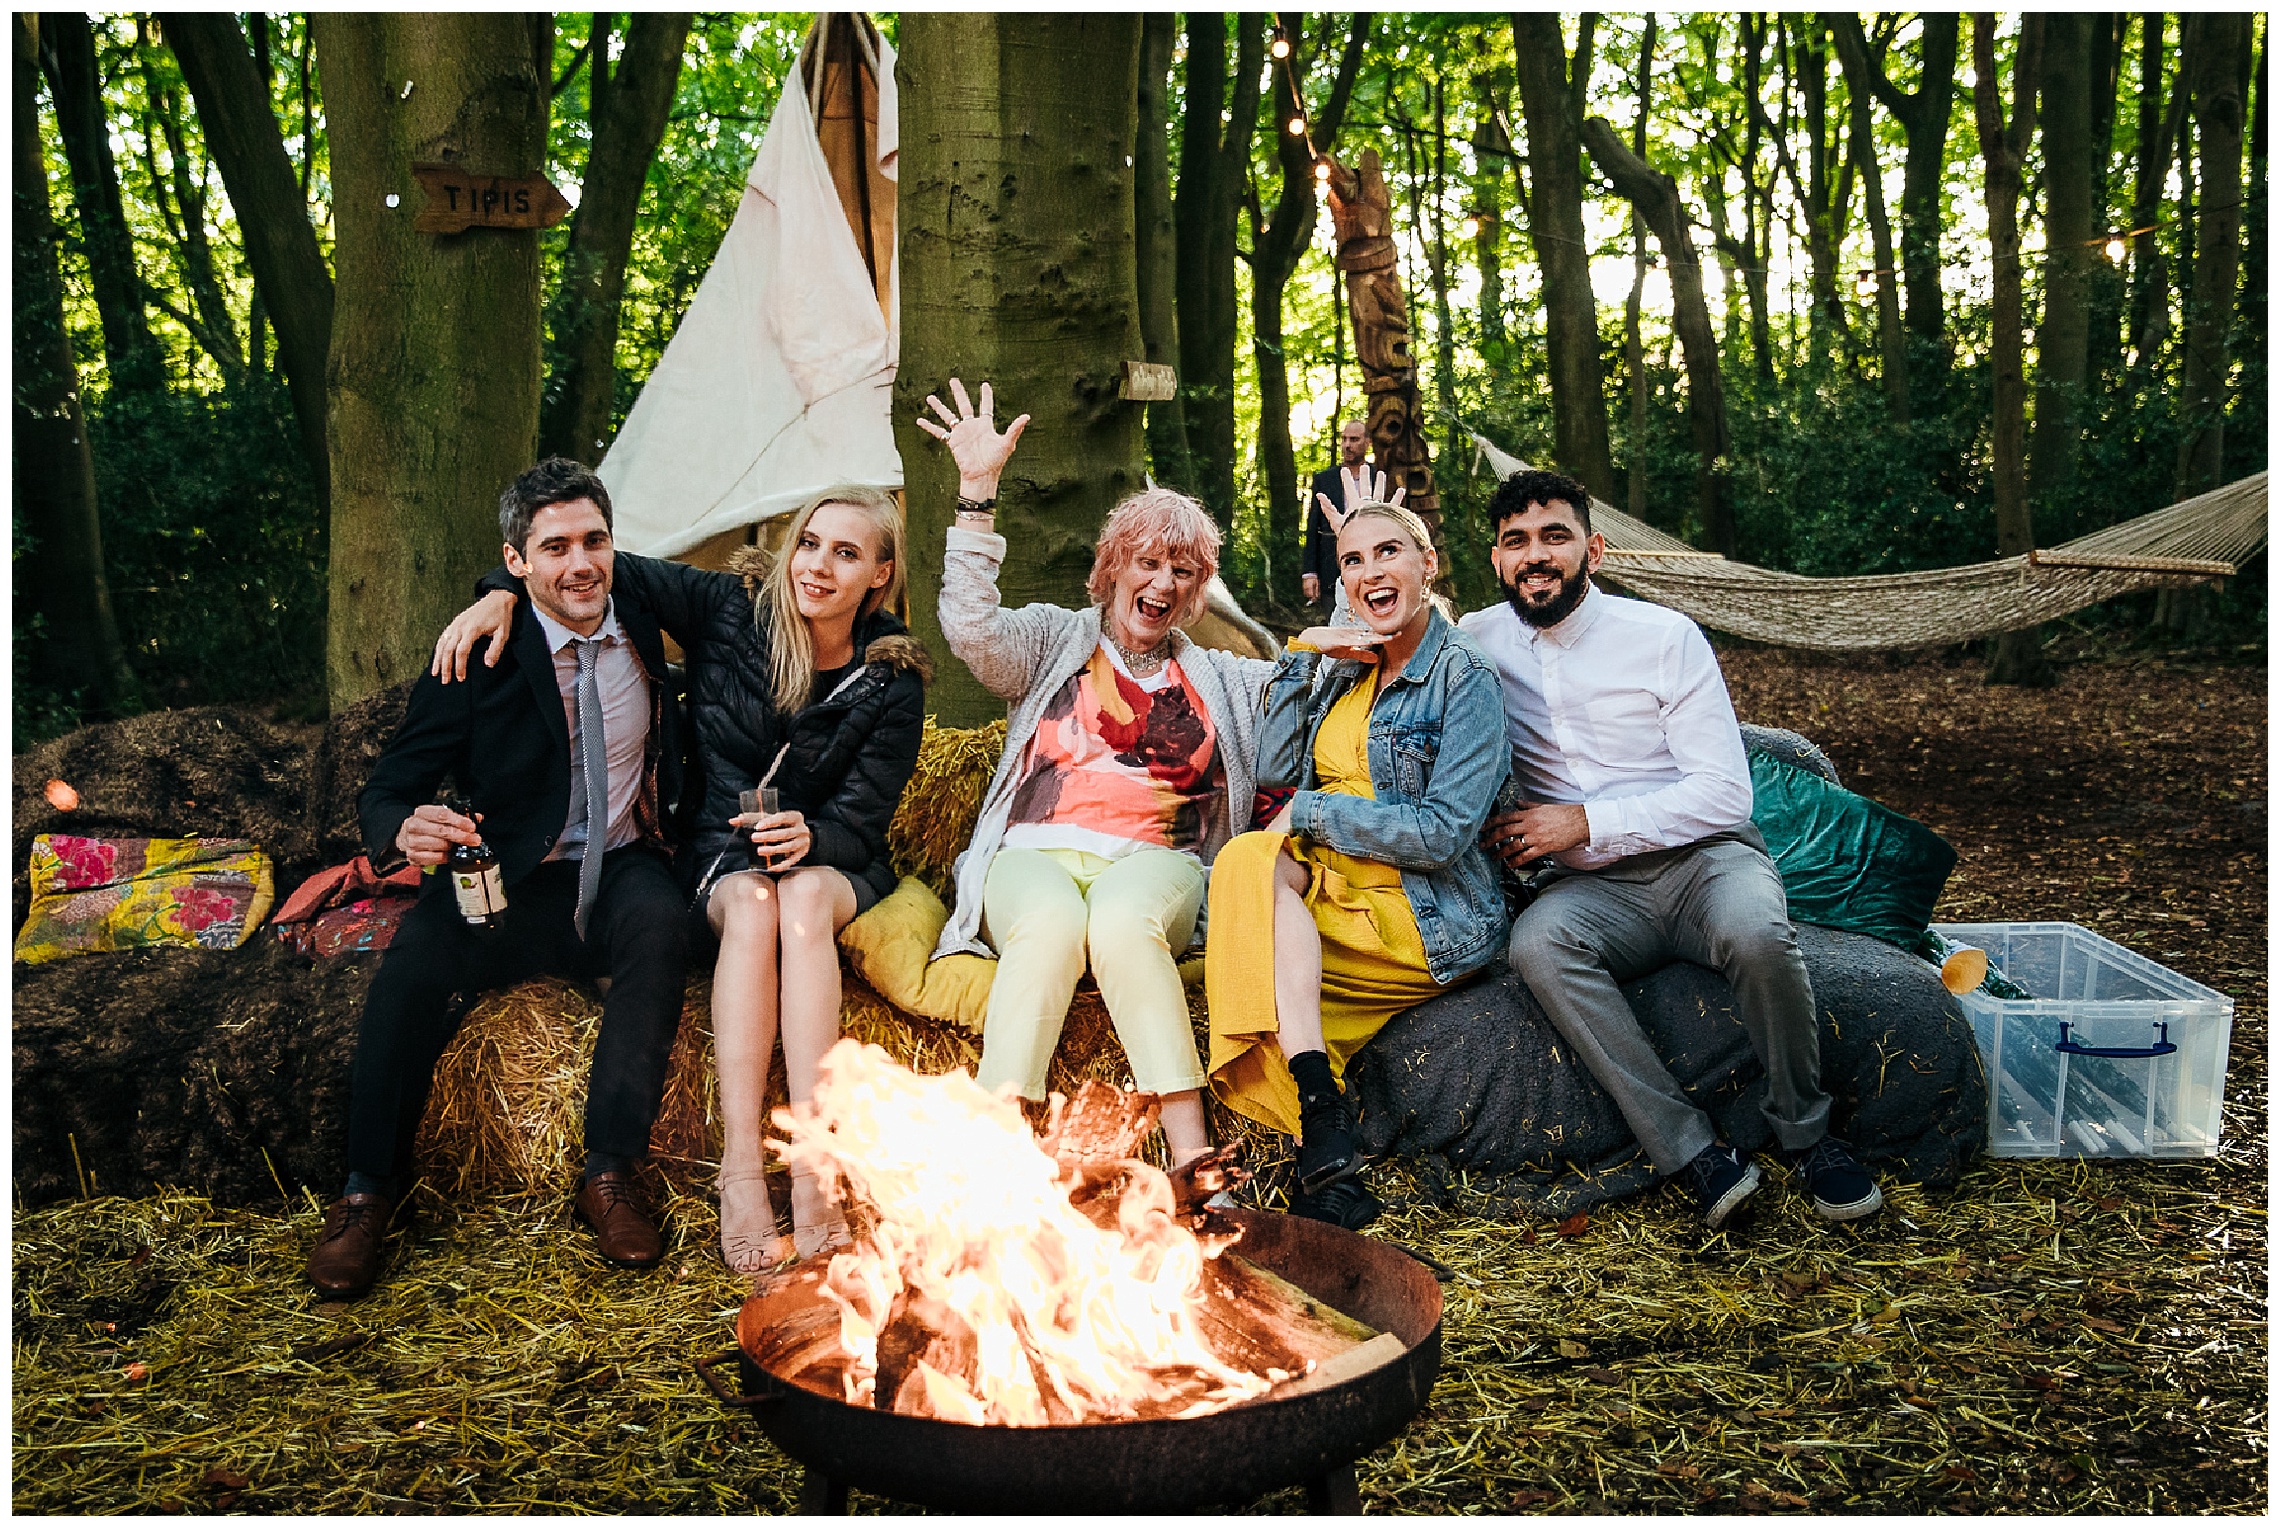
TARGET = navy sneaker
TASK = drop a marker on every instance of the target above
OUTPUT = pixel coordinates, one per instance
(1718, 1180)
(1841, 1188)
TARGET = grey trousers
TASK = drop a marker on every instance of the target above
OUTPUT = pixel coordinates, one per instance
(1718, 904)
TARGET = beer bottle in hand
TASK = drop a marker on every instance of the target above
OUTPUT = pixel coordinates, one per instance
(475, 878)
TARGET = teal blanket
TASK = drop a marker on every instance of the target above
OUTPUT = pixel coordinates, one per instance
(1846, 862)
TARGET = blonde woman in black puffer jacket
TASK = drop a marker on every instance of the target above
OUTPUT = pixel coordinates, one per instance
(798, 675)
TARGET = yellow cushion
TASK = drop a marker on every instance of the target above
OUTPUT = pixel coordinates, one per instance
(890, 947)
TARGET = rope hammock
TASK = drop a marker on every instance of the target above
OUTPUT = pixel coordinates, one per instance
(2190, 542)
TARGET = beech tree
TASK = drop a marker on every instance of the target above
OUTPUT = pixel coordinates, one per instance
(62, 579)
(2215, 71)
(435, 360)
(67, 50)
(289, 271)
(627, 104)
(1155, 241)
(1017, 211)
(2018, 654)
(1215, 159)
(1552, 91)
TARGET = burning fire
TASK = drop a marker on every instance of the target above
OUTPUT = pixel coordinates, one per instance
(979, 1290)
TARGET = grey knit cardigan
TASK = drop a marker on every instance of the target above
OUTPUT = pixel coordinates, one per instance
(1024, 656)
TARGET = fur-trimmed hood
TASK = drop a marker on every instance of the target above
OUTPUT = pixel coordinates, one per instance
(902, 651)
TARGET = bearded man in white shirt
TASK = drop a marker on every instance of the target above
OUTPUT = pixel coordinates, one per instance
(1637, 802)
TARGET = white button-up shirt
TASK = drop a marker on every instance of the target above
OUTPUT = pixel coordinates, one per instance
(625, 722)
(1620, 707)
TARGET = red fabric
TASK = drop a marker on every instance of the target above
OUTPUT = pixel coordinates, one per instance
(342, 884)
(347, 908)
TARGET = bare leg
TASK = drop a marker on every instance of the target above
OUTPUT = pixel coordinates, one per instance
(743, 911)
(815, 904)
(1183, 1126)
(1298, 962)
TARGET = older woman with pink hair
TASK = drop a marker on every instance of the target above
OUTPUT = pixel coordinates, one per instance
(1129, 758)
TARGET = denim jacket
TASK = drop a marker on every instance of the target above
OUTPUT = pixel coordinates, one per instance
(1437, 758)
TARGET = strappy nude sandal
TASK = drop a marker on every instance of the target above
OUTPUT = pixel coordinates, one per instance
(817, 1224)
(749, 1240)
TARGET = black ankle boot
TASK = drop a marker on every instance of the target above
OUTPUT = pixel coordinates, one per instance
(1327, 1150)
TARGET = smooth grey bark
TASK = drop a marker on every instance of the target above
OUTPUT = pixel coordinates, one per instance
(1018, 268)
(433, 372)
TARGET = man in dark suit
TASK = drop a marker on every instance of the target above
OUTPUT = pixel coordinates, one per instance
(581, 697)
(1318, 564)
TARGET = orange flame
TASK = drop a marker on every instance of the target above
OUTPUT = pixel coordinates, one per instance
(1070, 1321)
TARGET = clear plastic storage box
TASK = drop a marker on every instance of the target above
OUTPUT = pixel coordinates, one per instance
(2111, 1056)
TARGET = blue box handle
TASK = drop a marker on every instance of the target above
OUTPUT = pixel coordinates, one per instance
(2161, 1047)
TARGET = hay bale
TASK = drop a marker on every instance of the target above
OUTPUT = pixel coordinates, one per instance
(935, 818)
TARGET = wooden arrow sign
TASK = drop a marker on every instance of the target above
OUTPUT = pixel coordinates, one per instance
(457, 200)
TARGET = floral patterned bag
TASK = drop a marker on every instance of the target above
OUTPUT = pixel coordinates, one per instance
(92, 894)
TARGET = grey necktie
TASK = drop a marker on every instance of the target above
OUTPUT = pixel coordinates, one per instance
(590, 783)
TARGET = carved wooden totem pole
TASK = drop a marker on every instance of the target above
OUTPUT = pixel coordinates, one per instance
(1362, 209)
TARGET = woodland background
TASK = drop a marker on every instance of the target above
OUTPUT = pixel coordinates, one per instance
(1827, 405)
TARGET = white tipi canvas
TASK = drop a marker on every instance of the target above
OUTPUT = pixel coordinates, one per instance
(780, 379)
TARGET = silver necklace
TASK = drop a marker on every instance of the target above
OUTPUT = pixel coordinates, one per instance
(1141, 664)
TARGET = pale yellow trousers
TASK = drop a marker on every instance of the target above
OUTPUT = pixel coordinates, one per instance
(1051, 913)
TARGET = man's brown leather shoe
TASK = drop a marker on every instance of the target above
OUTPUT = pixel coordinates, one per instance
(346, 1258)
(612, 1204)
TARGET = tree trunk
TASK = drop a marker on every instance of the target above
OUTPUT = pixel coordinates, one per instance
(1757, 204)
(1156, 247)
(1018, 268)
(60, 575)
(1891, 340)
(208, 319)
(289, 274)
(1437, 263)
(2149, 283)
(1808, 60)
(1550, 100)
(1492, 149)
(2109, 32)
(2216, 48)
(1923, 116)
(628, 103)
(2256, 228)
(2070, 244)
(1655, 195)
(1215, 161)
(67, 47)
(434, 367)
(1280, 243)
(1634, 346)
(2018, 655)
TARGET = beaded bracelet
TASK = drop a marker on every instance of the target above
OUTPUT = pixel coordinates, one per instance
(968, 506)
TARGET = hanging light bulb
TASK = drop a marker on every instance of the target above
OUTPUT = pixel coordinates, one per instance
(1280, 47)
(1322, 171)
(1297, 126)
(1864, 282)
(1470, 227)
(2116, 249)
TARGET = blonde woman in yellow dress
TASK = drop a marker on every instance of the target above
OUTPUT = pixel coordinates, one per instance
(1370, 885)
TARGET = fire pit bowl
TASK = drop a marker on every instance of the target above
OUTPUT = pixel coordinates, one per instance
(1224, 1458)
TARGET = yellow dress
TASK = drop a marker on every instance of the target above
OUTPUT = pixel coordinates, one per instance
(1373, 958)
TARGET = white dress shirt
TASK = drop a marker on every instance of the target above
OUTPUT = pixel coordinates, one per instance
(1620, 707)
(625, 722)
